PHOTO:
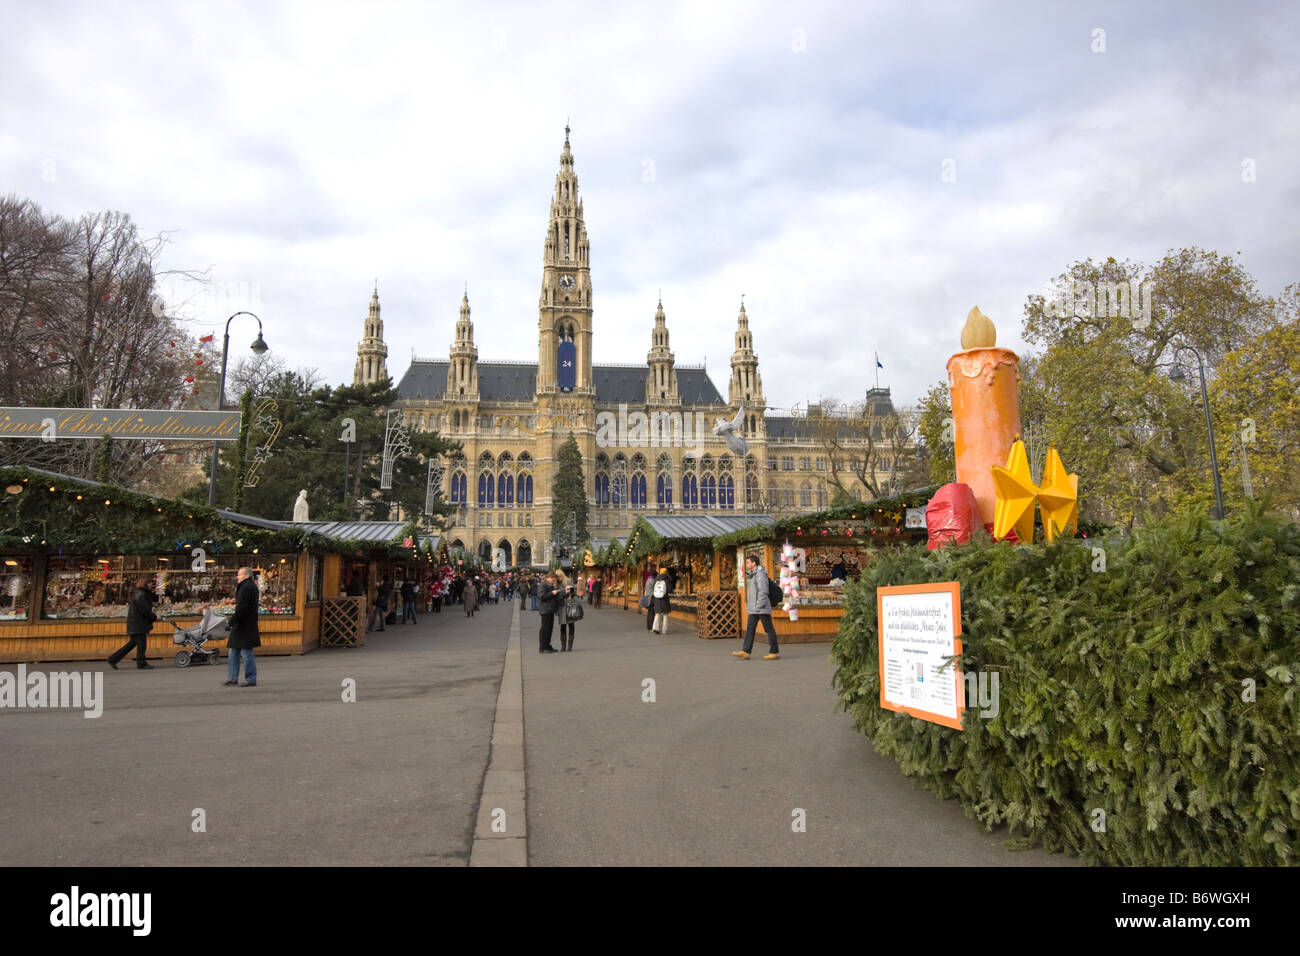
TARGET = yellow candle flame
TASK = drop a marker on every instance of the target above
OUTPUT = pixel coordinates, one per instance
(979, 331)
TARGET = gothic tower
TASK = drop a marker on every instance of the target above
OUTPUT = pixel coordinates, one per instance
(565, 306)
(746, 387)
(372, 353)
(661, 381)
(462, 370)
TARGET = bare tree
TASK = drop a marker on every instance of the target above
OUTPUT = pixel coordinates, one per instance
(85, 329)
(868, 444)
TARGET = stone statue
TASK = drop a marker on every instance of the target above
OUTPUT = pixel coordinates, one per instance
(300, 507)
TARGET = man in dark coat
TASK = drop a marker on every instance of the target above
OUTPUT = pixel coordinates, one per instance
(139, 621)
(549, 602)
(244, 635)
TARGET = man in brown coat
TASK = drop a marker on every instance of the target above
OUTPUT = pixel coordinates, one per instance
(244, 635)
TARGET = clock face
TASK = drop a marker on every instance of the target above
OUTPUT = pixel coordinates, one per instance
(566, 282)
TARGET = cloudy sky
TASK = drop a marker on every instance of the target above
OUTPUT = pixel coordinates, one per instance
(862, 172)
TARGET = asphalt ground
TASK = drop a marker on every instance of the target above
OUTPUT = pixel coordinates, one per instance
(713, 771)
(286, 772)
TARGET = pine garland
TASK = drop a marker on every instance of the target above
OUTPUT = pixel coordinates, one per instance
(1155, 693)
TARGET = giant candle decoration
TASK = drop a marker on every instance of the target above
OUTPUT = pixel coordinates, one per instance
(984, 381)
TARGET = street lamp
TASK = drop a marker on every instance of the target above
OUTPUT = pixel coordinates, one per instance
(1177, 375)
(259, 347)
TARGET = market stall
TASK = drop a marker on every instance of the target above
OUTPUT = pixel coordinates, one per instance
(73, 549)
(827, 550)
(683, 543)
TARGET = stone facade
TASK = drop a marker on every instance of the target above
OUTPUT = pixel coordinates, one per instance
(646, 431)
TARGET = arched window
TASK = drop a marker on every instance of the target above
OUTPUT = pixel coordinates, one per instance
(638, 490)
(690, 491)
(708, 492)
(805, 495)
(727, 492)
(484, 483)
(602, 481)
(458, 489)
(505, 489)
(663, 490)
(525, 489)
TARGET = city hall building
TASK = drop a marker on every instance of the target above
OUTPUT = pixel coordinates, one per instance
(645, 431)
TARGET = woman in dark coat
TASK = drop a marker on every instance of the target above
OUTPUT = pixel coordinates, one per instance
(244, 634)
(661, 604)
(139, 621)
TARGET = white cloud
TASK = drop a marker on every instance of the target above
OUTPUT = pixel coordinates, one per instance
(308, 149)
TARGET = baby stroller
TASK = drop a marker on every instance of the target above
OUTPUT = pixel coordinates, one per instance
(194, 639)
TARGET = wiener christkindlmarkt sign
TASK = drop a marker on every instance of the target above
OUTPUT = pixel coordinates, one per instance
(51, 424)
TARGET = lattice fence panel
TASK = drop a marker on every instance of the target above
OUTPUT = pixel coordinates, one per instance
(718, 614)
(343, 622)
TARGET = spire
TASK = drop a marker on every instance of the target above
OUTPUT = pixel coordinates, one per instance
(462, 370)
(746, 385)
(372, 353)
(464, 327)
(661, 377)
(566, 157)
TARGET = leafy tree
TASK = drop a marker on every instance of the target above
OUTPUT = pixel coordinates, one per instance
(1100, 387)
(569, 495)
(935, 434)
(1257, 390)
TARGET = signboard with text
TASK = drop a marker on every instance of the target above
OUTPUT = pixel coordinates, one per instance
(567, 366)
(51, 424)
(920, 629)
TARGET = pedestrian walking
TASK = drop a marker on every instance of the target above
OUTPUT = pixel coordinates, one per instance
(548, 603)
(536, 593)
(244, 634)
(661, 602)
(139, 622)
(597, 588)
(468, 598)
(409, 590)
(758, 605)
(382, 594)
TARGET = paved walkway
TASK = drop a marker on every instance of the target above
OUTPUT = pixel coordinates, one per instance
(452, 717)
(286, 772)
(712, 772)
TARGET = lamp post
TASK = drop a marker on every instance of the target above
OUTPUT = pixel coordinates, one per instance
(259, 347)
(1177, 375)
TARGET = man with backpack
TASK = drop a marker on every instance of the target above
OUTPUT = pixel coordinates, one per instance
(761, 594)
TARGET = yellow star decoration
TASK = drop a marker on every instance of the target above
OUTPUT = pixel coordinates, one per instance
(1058, 496)
(1016, 492)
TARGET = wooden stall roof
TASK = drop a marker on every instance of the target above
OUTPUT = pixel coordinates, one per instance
(654, 533)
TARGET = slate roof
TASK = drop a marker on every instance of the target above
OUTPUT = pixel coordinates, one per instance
(517, 382)
(783, 426)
